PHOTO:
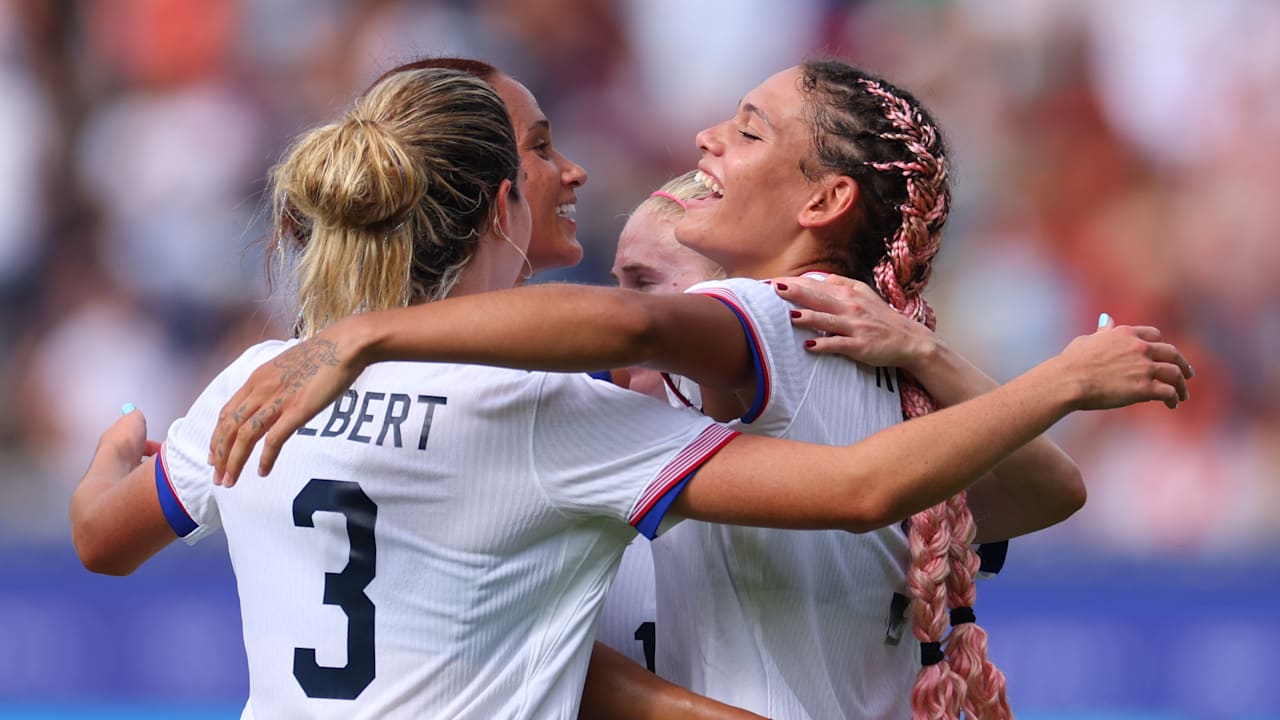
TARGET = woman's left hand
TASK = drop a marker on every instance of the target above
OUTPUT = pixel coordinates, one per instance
(126, 441)
(852, 320)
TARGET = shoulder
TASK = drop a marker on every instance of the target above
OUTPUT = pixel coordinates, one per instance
(747, 289)
(257, 355)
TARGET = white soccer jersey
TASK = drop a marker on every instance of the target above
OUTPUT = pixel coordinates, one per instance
(439, 541)
(791, 624)
(629, 617)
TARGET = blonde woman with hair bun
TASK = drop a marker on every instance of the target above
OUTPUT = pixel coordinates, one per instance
(439, 543)
(822, 168)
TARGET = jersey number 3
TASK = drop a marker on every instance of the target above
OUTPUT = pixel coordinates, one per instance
(344, 589)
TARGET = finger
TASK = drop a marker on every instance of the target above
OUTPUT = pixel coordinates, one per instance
(833, 345)
(1171, 375)
(816, 321)
(240, 443)
(282, 428)
(264, 421)
(224, 428)
(856, 286)
(1167, 353)
(152, 448)
(808, 293)
(1148, 333)
(224, 438)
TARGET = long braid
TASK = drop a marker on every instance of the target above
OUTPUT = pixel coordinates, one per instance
(901, 278)
(883, 138)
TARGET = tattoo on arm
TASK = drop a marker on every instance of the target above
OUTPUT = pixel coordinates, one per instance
(304, 361)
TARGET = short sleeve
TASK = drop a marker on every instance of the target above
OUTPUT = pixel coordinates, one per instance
(601, 450)
(782, 367)
(184, 478)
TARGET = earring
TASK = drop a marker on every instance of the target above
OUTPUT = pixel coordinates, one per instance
(497, 229)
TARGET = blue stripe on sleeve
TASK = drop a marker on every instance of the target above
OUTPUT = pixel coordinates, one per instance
(762, 381)
(174, 512)
(652, 520)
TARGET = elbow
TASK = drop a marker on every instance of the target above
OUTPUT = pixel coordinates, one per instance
(865, 513)
(102, 563)
(1074, 493)
(96, 552)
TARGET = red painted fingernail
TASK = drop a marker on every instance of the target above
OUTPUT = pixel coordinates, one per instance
(768, 282)
(795, 313)
(782, 286)
(810, 343)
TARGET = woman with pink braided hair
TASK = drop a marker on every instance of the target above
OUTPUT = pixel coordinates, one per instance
(905, 157)
(822, 169)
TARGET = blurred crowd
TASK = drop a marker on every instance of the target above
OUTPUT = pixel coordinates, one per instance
(1109, 156)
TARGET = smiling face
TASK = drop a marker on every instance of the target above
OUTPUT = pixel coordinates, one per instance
(551, 183)
(751, 223)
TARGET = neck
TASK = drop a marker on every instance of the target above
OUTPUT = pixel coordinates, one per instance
(802, 255)
(487, 270)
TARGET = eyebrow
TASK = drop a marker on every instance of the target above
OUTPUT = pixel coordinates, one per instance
(543, 124)
(635, 267)
(755, 110)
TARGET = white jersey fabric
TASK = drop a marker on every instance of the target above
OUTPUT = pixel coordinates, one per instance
(791, 624)
(629, 617)
(439, 541)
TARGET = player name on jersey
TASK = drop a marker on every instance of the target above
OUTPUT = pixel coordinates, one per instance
(377, 418)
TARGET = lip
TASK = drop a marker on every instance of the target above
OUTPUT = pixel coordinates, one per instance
(707, 171)
(708, 199)
(571, 200)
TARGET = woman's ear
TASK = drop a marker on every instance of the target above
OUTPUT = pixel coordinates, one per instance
(834, 201)
(502, 208)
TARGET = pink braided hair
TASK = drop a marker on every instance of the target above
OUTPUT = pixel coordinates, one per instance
(943, 563)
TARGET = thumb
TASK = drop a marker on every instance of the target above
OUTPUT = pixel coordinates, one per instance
(1105, 321)
(133, 414)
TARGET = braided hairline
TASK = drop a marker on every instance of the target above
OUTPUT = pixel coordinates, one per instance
(916, 240)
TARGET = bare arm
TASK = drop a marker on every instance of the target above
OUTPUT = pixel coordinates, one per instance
(116, 520)
(1036, 486)
(542, 327)
(618, 689)
(910, 466)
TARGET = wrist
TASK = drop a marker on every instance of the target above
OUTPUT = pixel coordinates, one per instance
(358, 340)
(929, 355)
(1061, 383)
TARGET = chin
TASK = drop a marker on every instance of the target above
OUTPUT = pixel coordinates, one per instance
(570, 252)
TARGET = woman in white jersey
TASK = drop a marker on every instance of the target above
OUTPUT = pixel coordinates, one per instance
(648, 260)
(550, 185)
(822, 168)
(439, 543)
(408, 198)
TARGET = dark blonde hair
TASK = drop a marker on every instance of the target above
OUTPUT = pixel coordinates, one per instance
(669, 202)
(385, 207)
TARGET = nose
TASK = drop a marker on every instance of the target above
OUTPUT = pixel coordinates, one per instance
(709, 142)
(571, 173)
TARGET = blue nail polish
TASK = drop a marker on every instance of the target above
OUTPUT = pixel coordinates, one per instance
(127, 408)
(1104, 320)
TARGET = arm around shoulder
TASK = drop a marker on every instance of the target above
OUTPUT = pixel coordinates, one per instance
(913, 465)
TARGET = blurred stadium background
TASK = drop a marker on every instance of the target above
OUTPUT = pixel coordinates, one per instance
(1117, 156)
